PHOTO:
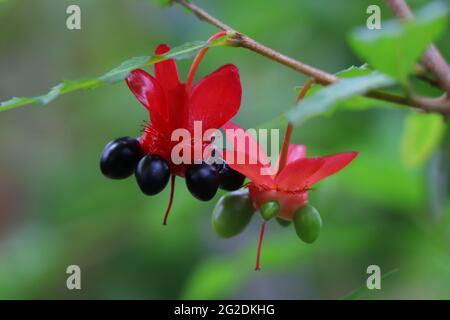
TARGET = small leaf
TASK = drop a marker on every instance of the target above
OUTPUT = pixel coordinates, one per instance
(356, 103)
(421, 135)
(68, 86)
(188, 50)
(396, 47)
(163, 3)
(17, 102)
(325, 100)
(350, 72)
(60, 89)
(355, 71)
(117, 74)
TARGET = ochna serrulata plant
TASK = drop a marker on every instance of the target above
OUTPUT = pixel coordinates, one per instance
(215, 100)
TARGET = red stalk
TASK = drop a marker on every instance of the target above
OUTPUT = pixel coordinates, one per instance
(290, 128)
(258, 255)
(172, 191)
(198, 58)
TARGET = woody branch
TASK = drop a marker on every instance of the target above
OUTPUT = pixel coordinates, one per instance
(439, 105)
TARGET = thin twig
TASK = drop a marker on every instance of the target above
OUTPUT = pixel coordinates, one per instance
(319, 76)
(432, 58)
(290, 127)
(244, 41)
(440, 105)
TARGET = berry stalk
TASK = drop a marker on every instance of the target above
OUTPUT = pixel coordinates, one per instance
(169, 206)
(258, 255)
(290, 128)
(199, 57)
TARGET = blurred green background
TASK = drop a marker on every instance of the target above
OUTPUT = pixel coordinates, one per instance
(56, 209)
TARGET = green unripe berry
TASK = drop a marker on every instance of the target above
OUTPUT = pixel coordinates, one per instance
(307, 222)
(283, 223)
(232, 213)
(269, 210)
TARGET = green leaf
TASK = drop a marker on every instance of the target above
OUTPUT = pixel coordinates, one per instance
(117, 74)
(60, 89)
(185, 51)
(68, 86)
(356, 103)
(326, 99)
(15, 102)
(421, 135)
(163, 3)
(355, 71)
(396, 47)
(350, 72)
(120, 72)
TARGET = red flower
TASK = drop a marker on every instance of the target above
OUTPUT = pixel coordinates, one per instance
(288, 187)
(214, 100)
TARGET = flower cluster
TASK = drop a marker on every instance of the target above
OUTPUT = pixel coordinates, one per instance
(213, 101)
(279, 191)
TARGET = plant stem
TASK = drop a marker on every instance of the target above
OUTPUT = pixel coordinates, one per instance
(320, 76)
(290, 128)
(432, 58)
(441, 105)
(258, 254)
(198, 58)
(172, 191)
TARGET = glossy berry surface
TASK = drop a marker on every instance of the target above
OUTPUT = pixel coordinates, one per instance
(119, 158)
(202, 180)
(232, 213)
(230, 179)
(269, 210)
(152, 174)
(307, 223)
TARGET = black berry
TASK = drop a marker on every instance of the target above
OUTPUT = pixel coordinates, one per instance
(152, 174)
(230, 179)
(119, 158)
(202, 180)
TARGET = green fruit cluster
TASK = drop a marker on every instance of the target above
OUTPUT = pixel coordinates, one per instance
(234, 211)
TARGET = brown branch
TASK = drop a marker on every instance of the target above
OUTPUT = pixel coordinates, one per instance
(319, 76)
(244, 41)
(440, 105)
(432, 58)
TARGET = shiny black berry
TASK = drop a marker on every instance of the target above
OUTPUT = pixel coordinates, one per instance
(119, 158)
(230, 179)
(152, 174)
(202, 180)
